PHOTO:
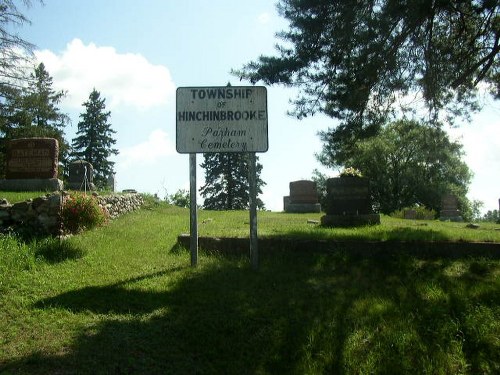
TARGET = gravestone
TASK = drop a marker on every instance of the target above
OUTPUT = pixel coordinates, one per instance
(410, 214)
(449, 208)
(112, 182)
(303, 197)
(31, 165)
(348, 203)
(80, 176)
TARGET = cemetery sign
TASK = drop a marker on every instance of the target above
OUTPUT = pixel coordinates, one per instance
(221, 119)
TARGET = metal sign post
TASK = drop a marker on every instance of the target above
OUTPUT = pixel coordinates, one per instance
(193, 209)
(219, 120)
(252, 179)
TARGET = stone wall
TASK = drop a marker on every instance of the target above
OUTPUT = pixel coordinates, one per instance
(120, 204)
(42, 215)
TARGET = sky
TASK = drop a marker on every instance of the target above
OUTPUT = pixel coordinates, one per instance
(137, 53)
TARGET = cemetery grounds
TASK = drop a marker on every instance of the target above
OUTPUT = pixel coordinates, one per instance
(123, 298)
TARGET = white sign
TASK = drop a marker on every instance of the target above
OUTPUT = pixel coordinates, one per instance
(221, 119)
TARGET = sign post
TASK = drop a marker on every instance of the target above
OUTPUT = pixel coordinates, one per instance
(252, 179)
(217, 120)
(193, 210)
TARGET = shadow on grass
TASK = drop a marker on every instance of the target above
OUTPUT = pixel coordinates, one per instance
(55, 250)
(300, 313)
(418, 233)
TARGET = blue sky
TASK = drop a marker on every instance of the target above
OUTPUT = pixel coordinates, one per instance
(136, 53)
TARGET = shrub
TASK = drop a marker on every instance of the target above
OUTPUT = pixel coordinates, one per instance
(351, 172)
(81, 212)
(422, 213)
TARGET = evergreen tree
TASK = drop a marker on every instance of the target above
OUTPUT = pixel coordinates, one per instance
(353, 60)
(94, 139)
(15, 52)
(226, 181)
(33, 112)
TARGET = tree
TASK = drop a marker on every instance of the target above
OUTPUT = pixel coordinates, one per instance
(353, 60)
(33, 112)
(94, 139)
(492, 216)
(410, 163)
(15, 52)
(226, 181)
(181, 198)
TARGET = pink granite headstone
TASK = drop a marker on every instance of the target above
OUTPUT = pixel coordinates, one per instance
(32, 158)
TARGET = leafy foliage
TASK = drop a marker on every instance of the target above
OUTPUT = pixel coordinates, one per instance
(181, 198)
(94, 139)
(226, 181)
(409, 164)
(491, 216)
(421, 213)
(82, 212)
(357, 61)
(351, 172)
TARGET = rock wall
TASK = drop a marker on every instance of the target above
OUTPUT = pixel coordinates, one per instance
(42, 215)
(117, 205)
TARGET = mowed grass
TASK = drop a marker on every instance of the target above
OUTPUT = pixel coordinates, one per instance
(123, 299)
(304, 226)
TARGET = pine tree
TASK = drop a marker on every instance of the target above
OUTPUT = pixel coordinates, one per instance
(33, 112)
(355, 60)
(226, 181)
(15, 52)
(94, 139)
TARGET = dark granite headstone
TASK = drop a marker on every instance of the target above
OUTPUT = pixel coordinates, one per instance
(410, 214)
(80, 176)
(348, 203)
(449, 208)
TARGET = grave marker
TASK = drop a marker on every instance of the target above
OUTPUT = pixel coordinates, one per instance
(32, 158)
(31, 165)
(449, 208)
(303, 197)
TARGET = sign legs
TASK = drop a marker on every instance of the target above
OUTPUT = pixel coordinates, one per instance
(193, 209)
(252, 179)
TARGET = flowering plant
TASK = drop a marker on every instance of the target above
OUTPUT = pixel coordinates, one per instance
(80, 212)
(351, 172)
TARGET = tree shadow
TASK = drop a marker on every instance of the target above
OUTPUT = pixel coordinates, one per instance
(299, 313)
(56, 250)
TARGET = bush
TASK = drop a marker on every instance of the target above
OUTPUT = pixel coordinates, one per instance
(82, 212)
(422, 213)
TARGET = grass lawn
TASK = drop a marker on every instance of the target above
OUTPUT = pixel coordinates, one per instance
(121, 300)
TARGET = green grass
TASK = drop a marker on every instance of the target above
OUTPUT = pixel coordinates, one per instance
(20, 196)
(276, 224)
(118, 300)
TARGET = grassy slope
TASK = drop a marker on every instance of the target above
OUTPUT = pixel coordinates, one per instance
(121, 301)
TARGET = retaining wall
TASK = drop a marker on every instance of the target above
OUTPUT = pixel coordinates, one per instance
(42, 215)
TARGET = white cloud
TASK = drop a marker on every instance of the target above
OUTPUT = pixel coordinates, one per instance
(264, 18)
(123, 79)
(156, 146)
